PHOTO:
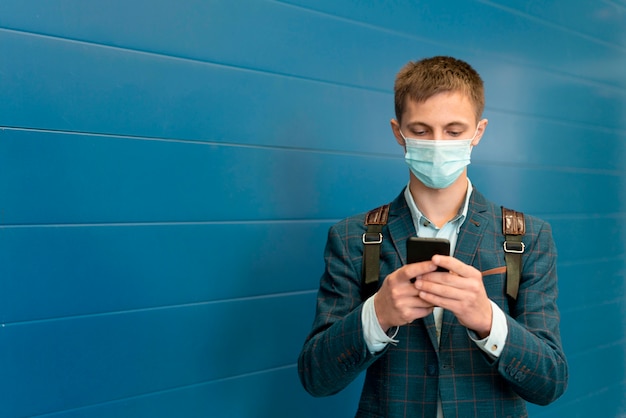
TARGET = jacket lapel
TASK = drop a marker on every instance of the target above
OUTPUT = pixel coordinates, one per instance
(400, 226)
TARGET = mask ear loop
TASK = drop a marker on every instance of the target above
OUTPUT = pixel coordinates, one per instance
(403, 138)
(474, 137)
(402, 135)
(476, 131)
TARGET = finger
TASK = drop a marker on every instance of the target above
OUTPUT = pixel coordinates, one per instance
(413, 270)
(421, 312)
(454, 265)
(420, 303)
(436, 300)
(450, 280)
(448, 262)
(443, 291)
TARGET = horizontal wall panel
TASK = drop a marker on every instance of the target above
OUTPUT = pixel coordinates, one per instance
(511, 36)
(117, 91)
(603, 362)
(549, 192)
(606, 402)
(83, 179)
(604, 322)
(88, 360)
(530, 91)
(591, 282)
(94, 89)
(516, 139)
(87, 179)
(600, 20)
(590, 238)
(158, 265)
(311, 45)
(362, 54)
(264, 395)
(117, 268)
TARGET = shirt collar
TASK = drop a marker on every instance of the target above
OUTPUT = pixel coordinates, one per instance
(420, 219)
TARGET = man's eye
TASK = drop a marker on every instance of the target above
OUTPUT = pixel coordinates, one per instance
(419, 133)
(454, 133)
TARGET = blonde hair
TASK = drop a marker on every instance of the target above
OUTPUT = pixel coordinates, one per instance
(422, 79)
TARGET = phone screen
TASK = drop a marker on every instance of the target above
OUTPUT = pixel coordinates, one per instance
(423, 249)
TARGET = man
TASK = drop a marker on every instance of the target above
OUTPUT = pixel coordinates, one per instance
(438, 344)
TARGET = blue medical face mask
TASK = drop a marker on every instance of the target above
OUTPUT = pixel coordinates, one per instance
(437, 163)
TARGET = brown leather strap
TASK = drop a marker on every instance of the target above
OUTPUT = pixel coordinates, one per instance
(513, 222)
(513, 228)
(377, 216)
(372, 239)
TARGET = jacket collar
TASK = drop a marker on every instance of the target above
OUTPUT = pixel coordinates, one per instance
(401, 226)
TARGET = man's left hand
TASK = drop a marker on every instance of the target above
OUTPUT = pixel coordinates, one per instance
(460, 291)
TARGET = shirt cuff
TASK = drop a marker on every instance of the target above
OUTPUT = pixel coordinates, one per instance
(375, 338)
(494, 343)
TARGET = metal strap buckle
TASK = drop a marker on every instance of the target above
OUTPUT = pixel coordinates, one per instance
(514, 247)
(366, 239)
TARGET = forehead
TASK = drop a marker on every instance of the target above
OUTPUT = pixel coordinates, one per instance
(441, 109)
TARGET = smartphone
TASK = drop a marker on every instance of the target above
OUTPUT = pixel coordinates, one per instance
(423, 249)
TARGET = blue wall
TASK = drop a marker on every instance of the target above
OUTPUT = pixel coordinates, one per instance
(169, 169)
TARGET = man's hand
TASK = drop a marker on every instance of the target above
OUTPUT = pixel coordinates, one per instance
(397, 302)
(461, 291)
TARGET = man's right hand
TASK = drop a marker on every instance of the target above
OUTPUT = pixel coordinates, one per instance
(397, 302)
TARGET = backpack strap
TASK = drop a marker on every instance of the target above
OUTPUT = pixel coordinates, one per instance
(372, 239)
(513, 228)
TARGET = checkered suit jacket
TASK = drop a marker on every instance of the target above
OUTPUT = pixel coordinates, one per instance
(404, 380)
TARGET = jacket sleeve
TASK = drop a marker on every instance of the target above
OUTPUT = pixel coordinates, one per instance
(532, 360)
(335, 352)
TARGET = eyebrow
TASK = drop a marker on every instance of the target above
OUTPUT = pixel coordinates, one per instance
(455, 123)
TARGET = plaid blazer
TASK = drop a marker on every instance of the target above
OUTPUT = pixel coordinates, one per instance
(405, 380)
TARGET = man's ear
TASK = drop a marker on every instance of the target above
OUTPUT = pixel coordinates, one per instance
(482, 125)
(395, 128)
